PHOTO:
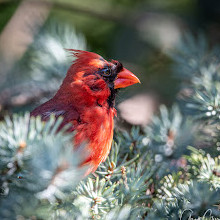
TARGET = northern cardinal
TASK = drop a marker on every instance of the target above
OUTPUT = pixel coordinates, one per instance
(86, 100)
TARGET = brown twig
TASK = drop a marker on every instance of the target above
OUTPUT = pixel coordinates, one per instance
(111, 16)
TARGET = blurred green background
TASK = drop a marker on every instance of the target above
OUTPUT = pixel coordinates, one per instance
(138, 33)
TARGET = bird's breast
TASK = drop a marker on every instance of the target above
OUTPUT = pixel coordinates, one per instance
(96, 132)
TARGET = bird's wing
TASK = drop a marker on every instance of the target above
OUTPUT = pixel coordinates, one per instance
(69, 113)
(45, 115)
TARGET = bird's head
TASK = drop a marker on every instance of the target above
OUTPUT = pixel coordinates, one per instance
(97, 77)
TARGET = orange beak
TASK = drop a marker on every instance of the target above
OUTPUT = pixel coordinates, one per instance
(125, 78)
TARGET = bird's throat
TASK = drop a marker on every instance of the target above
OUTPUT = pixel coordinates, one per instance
(111, 98)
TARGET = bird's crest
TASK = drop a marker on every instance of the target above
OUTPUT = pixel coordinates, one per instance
(84, 56)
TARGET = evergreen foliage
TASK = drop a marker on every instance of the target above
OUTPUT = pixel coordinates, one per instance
(151, 173)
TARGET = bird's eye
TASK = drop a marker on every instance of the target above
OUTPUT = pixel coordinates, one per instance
(106, 72)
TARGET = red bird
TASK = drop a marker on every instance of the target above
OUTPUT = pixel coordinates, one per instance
(86, 100)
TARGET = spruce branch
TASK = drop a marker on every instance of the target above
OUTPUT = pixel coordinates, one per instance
(98, 194)
(37, 165)
(169, 134)
(44, 65)
(198, 197)
(204, 167)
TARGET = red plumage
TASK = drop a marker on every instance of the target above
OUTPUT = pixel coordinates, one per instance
(86, 100)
